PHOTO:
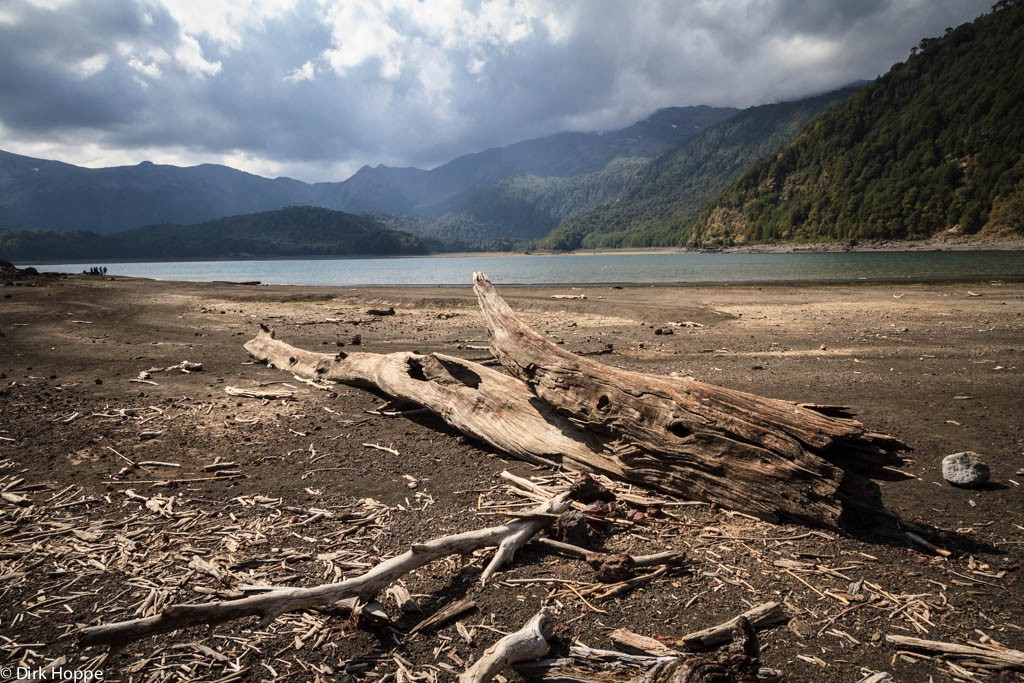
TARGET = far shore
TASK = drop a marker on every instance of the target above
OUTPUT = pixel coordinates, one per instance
(934, 244)
(983, 244)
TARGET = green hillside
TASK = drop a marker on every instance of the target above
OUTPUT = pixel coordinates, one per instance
(507, 214)
(293, 231)
(933, 145)
(662, 200)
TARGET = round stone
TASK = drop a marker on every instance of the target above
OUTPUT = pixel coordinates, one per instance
(965, 469)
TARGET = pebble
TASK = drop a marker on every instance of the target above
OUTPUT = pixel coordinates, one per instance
(965, 469)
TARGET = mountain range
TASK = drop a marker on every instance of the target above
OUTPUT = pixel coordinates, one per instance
(51, 195)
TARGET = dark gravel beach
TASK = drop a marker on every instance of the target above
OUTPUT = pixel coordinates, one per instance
(116, 501)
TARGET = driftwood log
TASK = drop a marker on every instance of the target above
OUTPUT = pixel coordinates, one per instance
(770, 458)
(479, 401)
(762, 616)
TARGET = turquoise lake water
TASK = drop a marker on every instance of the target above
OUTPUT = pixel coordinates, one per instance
(608, 268)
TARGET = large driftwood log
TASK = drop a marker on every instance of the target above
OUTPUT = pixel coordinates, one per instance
(269, 606)
(767, 457)
(774, 459)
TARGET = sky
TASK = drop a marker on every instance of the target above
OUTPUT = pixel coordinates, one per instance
(315, 89)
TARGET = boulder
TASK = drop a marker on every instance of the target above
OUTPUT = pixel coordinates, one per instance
(965, 469)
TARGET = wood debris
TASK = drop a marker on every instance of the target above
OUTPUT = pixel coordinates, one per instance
(268, 606)
(185, 366)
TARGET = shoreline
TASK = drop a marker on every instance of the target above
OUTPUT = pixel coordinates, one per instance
(933, 244)
(19, 278)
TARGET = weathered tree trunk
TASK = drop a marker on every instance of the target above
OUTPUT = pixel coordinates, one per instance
(766, 457)
(770, 458)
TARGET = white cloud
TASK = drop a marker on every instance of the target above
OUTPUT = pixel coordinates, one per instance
(504, 22)
(274, 168)
(226, 22)
(150, 70)
(91, 65)
(50, 5)
(306, 72)
(8, 16)
(361, 32)
(190, 55)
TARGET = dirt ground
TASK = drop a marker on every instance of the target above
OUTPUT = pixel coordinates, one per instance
(90, 535)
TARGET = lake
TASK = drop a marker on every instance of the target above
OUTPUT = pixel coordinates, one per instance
(603, 268)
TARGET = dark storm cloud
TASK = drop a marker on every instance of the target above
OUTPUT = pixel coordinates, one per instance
(38, 78)
(314, 89)
(809, 16)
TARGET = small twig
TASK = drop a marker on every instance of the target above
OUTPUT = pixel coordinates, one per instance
(167, 482)
(392, 451)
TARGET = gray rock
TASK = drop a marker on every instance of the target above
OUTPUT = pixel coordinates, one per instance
(965, 469)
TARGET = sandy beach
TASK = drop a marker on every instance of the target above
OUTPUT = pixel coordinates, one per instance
(91, 535)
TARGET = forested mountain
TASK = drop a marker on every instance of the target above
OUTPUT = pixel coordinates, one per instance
(293, 231)
(935, 144)
(514, 210)
(659, 205)
(449, 187)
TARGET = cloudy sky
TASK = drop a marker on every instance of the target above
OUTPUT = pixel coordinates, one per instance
(314, 89)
